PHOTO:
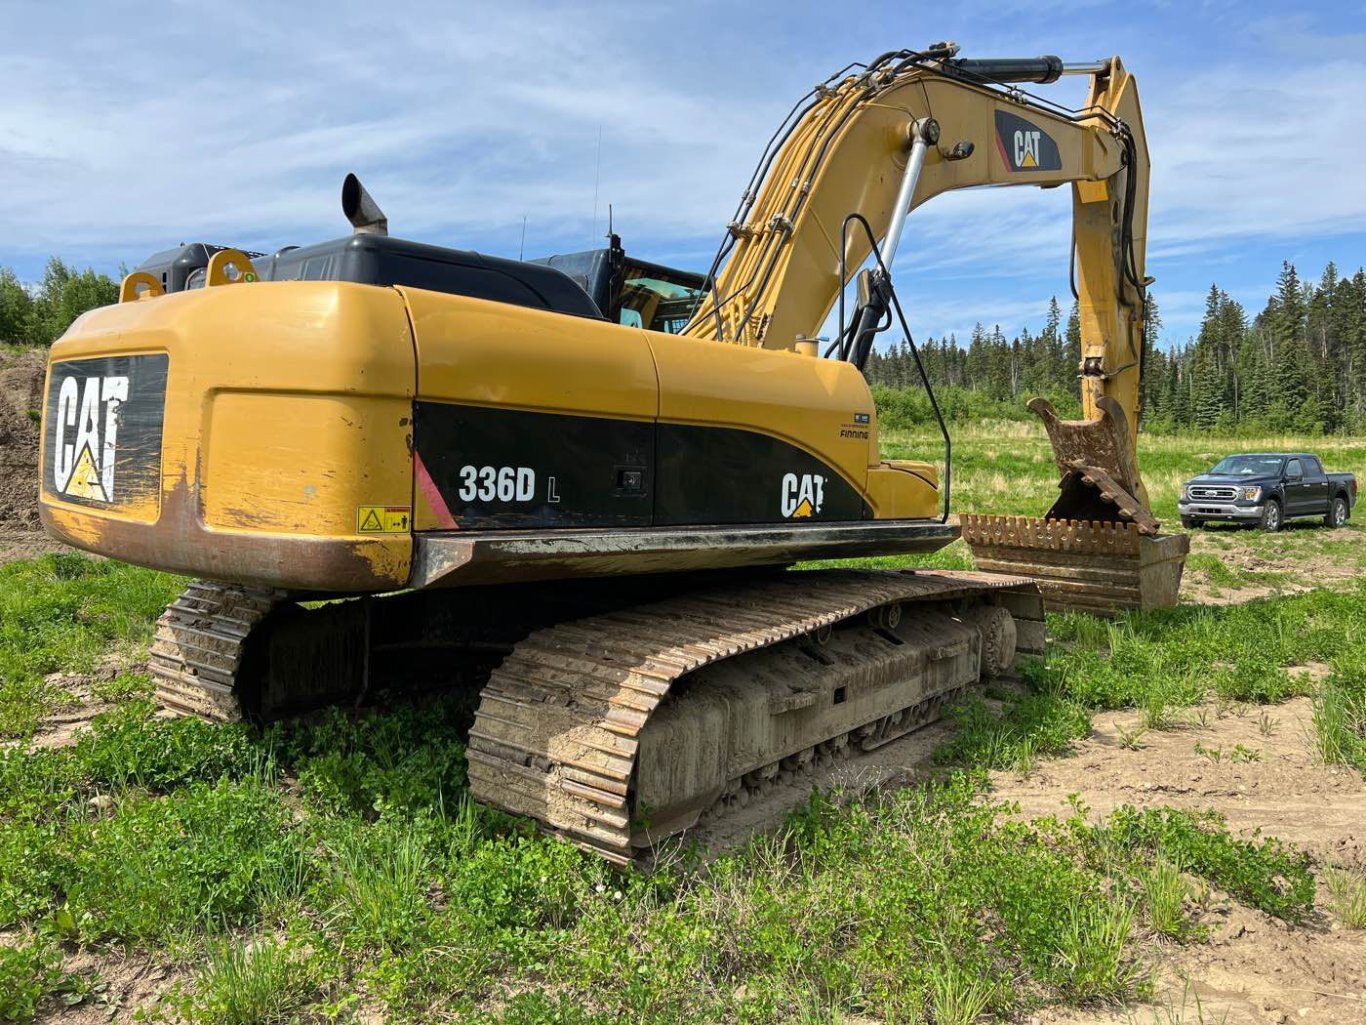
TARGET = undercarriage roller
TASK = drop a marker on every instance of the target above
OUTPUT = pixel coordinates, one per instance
(736, 722)
(620, 730)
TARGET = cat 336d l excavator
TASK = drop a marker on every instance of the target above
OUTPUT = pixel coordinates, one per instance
(576, 482)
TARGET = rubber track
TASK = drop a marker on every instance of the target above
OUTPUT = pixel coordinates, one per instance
(555, 735)
(197, 648)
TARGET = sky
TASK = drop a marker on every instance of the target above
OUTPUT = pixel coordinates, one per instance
(123, 132)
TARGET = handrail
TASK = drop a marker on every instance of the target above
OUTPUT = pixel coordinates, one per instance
(906, 331)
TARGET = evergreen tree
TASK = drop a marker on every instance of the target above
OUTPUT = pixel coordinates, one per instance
(1151, 388)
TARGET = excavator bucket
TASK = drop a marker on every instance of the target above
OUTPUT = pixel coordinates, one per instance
(1098, 548)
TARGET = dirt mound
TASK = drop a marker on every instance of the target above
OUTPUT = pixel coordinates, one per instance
(21, 396)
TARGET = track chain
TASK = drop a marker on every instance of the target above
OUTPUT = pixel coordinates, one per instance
(198, 646)
(558, 726)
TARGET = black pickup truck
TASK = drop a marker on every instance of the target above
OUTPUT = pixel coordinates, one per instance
(1265, 489)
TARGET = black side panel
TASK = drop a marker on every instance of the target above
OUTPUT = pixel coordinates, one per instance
(513, 469)
(723, 475)
(102, 430)
(507, 468)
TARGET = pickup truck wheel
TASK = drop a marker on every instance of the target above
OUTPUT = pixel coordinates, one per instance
(1337, 513)
(1190, 522)
(1271, 516)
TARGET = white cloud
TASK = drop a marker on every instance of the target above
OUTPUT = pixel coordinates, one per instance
(119, 137)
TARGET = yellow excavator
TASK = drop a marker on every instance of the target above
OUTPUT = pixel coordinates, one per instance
(573, 485)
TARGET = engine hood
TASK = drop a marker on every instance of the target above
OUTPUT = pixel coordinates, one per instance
(1234, 480)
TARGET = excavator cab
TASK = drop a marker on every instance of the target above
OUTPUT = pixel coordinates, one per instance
(631, 291)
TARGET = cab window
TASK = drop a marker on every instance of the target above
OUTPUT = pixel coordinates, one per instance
(1293, 469)
(656, 303)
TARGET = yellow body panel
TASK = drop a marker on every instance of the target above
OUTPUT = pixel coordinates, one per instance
(480, 353)
(811, 403)
(287, 453)
(904, 488)
(287, 407)
(492, 354)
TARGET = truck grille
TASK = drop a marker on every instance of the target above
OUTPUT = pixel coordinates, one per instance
(1221, 494)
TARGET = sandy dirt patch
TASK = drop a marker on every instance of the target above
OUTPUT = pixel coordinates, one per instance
(1293, 560)
(1254, 969)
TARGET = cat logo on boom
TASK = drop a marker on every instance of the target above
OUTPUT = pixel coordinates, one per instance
(803, 495)
(1027, 149)
(1024, 146)
(87, 436)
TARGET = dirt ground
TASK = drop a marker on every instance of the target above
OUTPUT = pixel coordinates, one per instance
(21, 394)
(1254, 969)
(1293, 560)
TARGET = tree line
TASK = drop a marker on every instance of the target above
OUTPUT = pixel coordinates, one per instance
(38, 316)
(1299, 365)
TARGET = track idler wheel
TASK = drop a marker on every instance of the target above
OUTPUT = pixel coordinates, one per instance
(997, 627)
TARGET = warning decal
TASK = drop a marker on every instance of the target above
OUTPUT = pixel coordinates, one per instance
(383, 519)
(85, 479)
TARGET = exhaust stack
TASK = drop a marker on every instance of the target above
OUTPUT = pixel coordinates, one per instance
(361, 210)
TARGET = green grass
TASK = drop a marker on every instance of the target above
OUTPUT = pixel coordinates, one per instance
(258, 982)
(1340, 711)
(1346, 896)
(1006, 468)
(1027, 727)
(64, 612)
(335, 868)
(1164, 892)
(1172, 658)
(29, 972)
(1266, 874)
(302, 898)
(1220, 574)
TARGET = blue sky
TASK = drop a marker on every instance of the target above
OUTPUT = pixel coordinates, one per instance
(123, 131)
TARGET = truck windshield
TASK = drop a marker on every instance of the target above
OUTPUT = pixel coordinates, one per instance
(1247, 466)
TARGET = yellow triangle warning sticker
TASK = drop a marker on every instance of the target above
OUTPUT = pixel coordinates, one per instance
(371, 521)
(803, 511)
(1029, 161)
(85, 479)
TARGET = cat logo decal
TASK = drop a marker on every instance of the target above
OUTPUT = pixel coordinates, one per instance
(802, 496)
(1024, 146)
(86, 441)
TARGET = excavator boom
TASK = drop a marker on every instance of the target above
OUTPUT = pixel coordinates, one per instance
(936, 123)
